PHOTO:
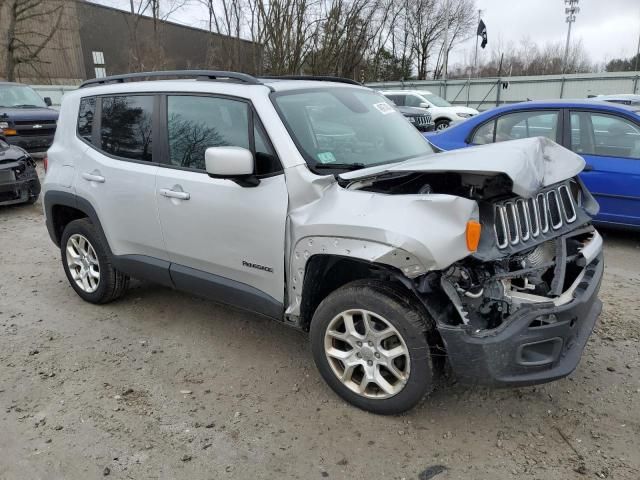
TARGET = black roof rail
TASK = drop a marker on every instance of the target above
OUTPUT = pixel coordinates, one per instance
(317, 78)
(197, 74)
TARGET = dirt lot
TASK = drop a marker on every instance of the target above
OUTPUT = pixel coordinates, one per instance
(164, 385)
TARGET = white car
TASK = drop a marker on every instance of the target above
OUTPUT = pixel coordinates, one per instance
(442, 112)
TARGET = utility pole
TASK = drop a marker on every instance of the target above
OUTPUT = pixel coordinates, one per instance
(445, 60)
(475, 60)
(570, 11)
(635, 68)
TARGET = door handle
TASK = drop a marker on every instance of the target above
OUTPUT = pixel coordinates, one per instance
(587, 168)
(92, 177)
(165, 192)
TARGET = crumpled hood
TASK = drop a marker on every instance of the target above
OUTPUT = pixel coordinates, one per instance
(530, 163)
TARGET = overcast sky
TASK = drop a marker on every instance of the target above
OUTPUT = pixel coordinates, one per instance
(607, 28)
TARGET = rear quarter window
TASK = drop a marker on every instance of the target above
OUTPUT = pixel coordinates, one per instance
(85, 117)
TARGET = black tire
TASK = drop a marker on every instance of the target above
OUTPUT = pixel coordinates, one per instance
(442, 124)
(405, 314)
(112, 283)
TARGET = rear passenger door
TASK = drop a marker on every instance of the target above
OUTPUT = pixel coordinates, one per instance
(225, 241)
(117, 173)
(610, 145)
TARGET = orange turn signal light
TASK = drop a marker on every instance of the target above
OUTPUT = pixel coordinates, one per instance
(9, 131)
(473, 235)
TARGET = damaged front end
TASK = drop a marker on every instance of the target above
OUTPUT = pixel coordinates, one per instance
(520, 310)
(19, 181)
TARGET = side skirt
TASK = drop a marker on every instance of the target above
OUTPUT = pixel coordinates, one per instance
(202, 284)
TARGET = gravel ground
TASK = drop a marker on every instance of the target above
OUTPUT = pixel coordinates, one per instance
(164, 385)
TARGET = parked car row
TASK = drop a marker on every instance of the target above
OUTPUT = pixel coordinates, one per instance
(605, 134)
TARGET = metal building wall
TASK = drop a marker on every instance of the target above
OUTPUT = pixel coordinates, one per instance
(488, 92)
(61, 59)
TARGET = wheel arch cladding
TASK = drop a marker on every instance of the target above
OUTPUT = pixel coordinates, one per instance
(61, 208)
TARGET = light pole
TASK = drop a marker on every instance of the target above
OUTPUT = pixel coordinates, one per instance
(571, 9)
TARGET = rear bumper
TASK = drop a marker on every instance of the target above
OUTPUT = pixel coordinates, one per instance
(31, 143)
(520, 353)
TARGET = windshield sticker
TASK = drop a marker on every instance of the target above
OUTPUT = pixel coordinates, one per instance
(384, 108)
(326, 157)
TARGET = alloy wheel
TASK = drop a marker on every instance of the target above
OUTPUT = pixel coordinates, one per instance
(83, 263)
(367, 354)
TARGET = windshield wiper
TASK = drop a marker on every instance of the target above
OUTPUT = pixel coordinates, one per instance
(25, 105)
(340, 166)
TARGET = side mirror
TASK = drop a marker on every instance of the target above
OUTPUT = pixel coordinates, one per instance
(235, 163)
(425, 105)
(47, 101)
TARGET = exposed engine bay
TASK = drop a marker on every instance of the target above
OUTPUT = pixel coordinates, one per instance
(485, 294)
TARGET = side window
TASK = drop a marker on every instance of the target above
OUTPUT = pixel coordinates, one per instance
(266, 159)
(125, 126)
(484, 134)
(603, 134)
(413, 101)
(197, 123)
(397, 99)
(517, 125)
(85, 117)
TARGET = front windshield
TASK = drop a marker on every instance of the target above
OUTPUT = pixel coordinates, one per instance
(435, 99)
(19, 96)
(348, 128)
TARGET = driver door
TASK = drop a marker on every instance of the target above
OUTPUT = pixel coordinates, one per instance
(224, 240)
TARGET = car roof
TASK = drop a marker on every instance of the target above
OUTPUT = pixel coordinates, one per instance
(565, 103)
(413, 90)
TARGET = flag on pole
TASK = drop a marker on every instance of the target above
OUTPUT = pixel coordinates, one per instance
(482, 32)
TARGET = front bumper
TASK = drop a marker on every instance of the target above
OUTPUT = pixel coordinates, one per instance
(18, 189)
(430, 127)
(521, 352)
(32, 143)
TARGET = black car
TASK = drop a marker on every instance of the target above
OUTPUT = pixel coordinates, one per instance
(419, 117)
(25, 118)
(19, 181)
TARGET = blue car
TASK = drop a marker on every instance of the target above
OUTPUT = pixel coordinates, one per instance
(606, 135)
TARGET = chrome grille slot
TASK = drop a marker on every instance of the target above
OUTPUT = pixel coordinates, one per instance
(534, 216)
(543, 212)
(555, 215)
(567, 204)
(512, 223)
(521, 220)
(500, 227)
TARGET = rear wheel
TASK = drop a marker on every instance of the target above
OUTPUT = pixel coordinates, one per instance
(369, 342)
(87, 265)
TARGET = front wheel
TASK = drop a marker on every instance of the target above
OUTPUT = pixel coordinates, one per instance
(369, 342)
(442, 124)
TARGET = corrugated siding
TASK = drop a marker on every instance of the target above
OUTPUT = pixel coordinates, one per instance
(487, 92)
(61, 59)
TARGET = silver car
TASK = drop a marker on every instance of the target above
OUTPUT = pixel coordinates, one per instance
(317, 204)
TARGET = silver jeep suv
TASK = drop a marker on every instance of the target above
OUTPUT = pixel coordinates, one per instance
(312, 201)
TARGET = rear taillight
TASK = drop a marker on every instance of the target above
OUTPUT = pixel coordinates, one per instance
(45, 163)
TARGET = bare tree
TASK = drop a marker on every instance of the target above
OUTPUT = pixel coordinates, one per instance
(31, 24)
